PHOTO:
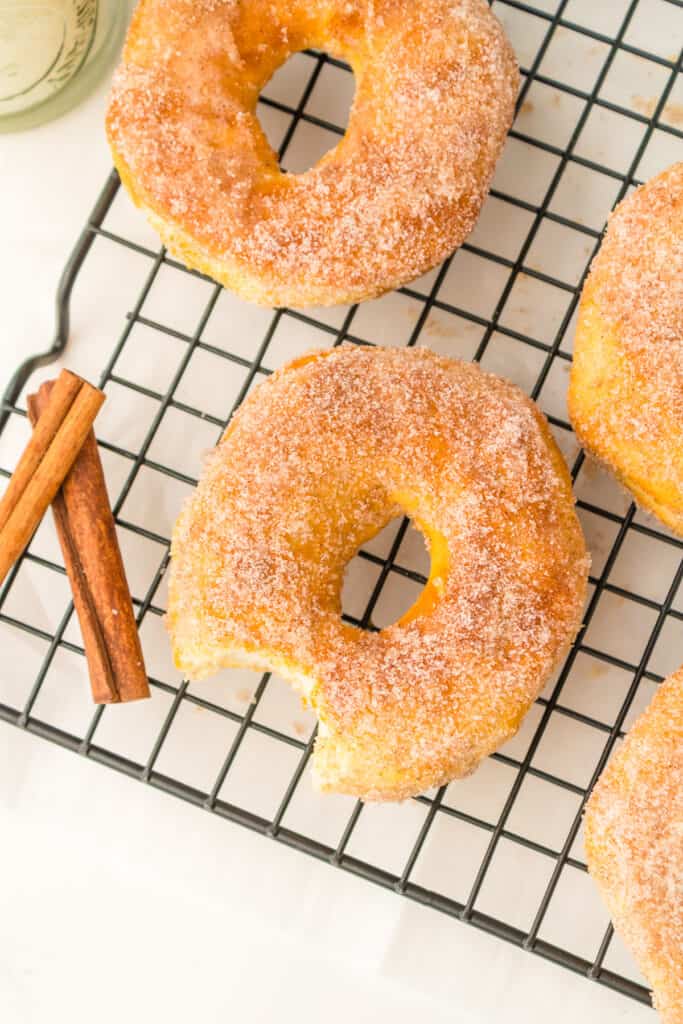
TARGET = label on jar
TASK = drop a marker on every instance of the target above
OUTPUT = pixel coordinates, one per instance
(43, 43)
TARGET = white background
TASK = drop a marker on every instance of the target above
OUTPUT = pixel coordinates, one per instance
(118, 902)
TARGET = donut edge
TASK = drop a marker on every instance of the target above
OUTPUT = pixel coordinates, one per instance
(587, 397)
(610, 861)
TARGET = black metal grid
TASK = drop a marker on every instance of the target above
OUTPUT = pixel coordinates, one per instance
(661, 611)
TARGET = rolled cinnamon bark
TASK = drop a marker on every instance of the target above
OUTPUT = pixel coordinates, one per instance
(92, 557)
(47, 459)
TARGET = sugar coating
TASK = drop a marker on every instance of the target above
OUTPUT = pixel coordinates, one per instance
(436, 85)
(639, 286)
(318, 459)
(626, 395)
(634, 844)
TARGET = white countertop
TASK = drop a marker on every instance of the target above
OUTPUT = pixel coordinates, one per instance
(120, 903)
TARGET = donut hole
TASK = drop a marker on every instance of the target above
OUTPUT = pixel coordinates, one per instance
(323, 120)
(403, 584)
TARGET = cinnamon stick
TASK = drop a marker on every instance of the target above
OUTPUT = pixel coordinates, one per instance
(45, 462)
(92, 557)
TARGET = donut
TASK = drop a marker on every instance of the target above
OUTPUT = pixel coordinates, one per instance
(626, 384)
(320, 457)
(634, 844)
(436, 82)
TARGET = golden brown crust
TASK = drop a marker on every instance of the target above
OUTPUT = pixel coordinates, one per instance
(634, 844)
(318, 459)
(436, 84)
(626, 388)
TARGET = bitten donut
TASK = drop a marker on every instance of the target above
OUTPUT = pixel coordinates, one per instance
(320, 458)
(626, 387)
(436, 82)
(634, 844)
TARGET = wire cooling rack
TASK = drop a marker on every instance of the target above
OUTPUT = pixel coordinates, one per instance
(601, 108)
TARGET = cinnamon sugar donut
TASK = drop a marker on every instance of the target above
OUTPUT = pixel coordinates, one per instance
(634, 844)
(626, 388)
(318, 459)
(436, 83)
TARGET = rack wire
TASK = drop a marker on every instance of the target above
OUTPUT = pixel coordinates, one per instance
(462, 834)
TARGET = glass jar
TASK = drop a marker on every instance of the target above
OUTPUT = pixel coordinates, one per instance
(52, 53)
